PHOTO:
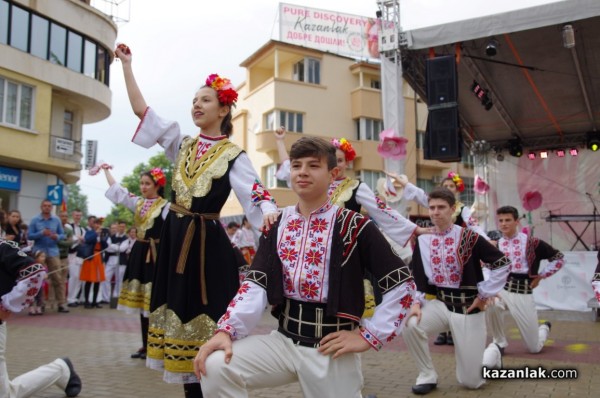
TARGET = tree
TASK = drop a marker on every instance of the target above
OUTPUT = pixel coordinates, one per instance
(132, 183)
(76, 200)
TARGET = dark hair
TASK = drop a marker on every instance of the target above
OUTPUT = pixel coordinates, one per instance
(161, 190)
(226, 125)
(90, 217)
(121, 222)
(314, 146)
(508, 210)
(233, 224)
(448, 179)
(443, 194)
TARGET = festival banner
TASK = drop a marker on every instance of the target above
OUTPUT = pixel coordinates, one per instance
(329, 31)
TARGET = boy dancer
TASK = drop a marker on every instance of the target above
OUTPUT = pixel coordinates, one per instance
(20, 279)
(447, 265)
(525, 253)
(310, 267)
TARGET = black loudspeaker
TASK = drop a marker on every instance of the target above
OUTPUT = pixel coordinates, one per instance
(443, 141)
(442, 82)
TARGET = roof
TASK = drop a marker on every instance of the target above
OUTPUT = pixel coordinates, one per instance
(542, 92)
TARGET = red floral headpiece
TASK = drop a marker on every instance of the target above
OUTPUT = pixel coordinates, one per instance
(345, 146)
(460, 185)
(225, 91)
(158, 176)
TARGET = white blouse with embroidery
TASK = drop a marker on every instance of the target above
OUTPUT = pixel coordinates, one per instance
(120, 195)
(304, 247)
(515, 248)
(242, 177)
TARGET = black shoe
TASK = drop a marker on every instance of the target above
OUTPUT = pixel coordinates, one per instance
(441, 339)
(548, 324)
(422, 389)
(73, 387)
(73, 305)
(96, 305)
(141, 354)
(87, 306)
(449, 339)
(61, 308)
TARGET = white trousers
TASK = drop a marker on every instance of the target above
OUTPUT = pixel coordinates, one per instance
(55, 373)
(74, 282)
(469, 334)
(274, 360)
(110, 269)
(522, 308)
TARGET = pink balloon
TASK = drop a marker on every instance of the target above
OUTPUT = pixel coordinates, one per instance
(532, 200)
(391, 146)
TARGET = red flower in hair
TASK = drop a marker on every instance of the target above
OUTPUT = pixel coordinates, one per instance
(225, 90)
(158, 176)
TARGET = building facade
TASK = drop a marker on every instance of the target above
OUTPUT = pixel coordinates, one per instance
(54, 78)
(322, 94)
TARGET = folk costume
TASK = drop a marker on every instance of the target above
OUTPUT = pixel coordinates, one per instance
(447, 266)
(311, 270)
(149, 216)
(92, 269)
(353, 194)
(525, 253)
(196, 274)
(20, 280)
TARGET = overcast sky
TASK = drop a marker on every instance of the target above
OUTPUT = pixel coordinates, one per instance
(176, 44)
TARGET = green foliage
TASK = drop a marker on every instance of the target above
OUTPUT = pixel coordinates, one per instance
(76, 200)
(132, 183)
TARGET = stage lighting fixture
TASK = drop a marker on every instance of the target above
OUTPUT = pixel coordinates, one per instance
(544, 154)
(560, 153)
(491, 49)
(568, 35)
(482, 94)
(592, 140)
(531, 155)
(573, 151)
(515, 148)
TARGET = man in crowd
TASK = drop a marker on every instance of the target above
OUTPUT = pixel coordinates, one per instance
(115, 258)
(74, 261)
(46, 230)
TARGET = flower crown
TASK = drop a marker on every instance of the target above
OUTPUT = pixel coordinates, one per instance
(158, 176)
(345, 146)
(460, 185)
(225, 91)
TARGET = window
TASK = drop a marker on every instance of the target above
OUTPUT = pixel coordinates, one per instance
(68, 125)
(89, 59)
(376, 84)
(39, 37)
(269, 177)
(292, 121)
(426, 185)
(58, 44)
(19, 28)
(16, 104)
(370, 178)
(3, 22)
(369, 129)
(43, 38)
(468, 195)
(74, 55)
(420, 140)
(308, 70)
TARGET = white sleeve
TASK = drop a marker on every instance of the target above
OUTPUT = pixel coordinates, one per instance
(412, 192)
(165, 211)
(111, 248)
(120, 195)
(390, 221)
(244, 311)
(284, 172)
(23, 293)
(495, 282)
(250, 192)
(472, 223)
(389, 315)
(153, 129)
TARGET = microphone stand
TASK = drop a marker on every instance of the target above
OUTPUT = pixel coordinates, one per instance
(595, 214)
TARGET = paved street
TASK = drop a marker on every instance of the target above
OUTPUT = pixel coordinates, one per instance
(99, 343)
